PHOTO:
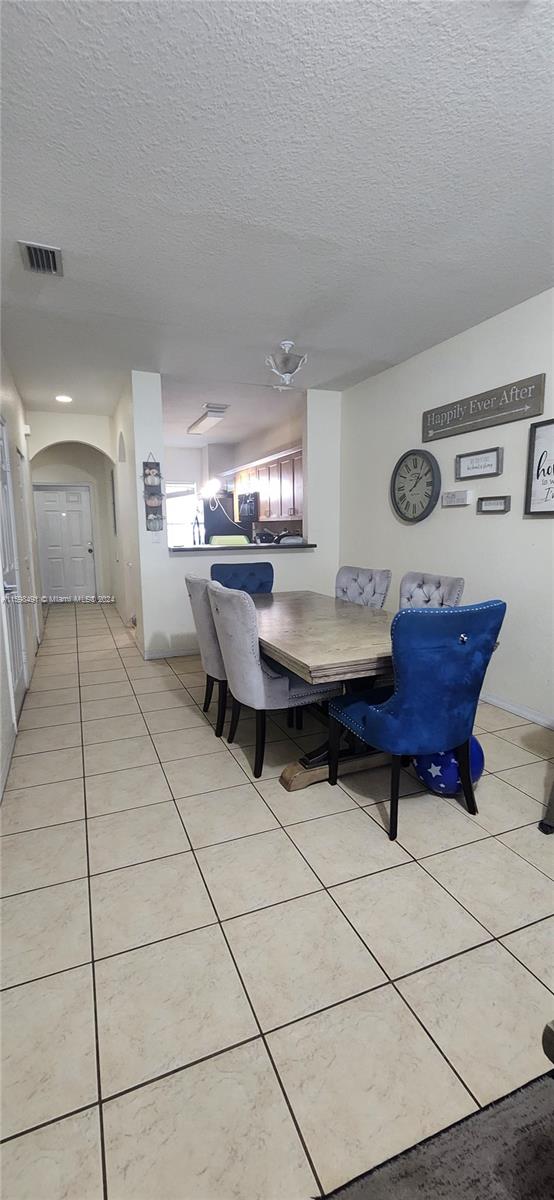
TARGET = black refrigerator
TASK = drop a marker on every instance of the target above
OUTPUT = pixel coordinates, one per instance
(218, 518)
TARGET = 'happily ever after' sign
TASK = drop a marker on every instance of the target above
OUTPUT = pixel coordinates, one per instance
(511, 402)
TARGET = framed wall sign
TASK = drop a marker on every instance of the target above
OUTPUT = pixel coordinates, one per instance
(517, 401)
(480, 464)
(494, 504)
(539, 492)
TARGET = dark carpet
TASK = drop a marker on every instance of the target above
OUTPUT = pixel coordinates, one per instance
(504, 1152)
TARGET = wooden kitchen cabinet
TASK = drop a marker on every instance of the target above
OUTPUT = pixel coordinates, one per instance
(292, 487)
(287, 500)
(274, 490)
(263, 488)
(297, 485)
(280, 485)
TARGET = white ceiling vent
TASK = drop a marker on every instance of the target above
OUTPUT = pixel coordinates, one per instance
(42, 260)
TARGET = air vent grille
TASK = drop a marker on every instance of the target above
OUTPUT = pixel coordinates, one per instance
(42, 260)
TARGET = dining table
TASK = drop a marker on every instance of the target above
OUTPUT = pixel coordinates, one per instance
(324, 640)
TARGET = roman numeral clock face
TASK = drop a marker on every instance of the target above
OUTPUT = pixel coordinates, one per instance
(415, 485)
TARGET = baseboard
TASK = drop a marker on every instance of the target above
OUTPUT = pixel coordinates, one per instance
(6, 764)
(528, 714)
(181, 647)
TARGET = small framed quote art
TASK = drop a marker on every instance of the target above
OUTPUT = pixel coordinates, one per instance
(494, 504)
(539, 492)
(480, 464)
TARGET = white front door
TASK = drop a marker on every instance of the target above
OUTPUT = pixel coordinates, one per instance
(10, 578)
(64, 530)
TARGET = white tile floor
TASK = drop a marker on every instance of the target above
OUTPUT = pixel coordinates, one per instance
(215, 989)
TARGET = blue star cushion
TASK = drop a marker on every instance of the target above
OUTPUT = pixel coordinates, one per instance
(439, 772)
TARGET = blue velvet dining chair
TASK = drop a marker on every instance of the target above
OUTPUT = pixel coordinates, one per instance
(440, 656)
(253, 577)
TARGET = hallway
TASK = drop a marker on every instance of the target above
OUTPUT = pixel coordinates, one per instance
(203, 954)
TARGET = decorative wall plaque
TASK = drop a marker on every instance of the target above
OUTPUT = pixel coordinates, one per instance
(494, 504)
(456, 499)
(153, 499)
(510, 402)
(480, 464)
(539, 492)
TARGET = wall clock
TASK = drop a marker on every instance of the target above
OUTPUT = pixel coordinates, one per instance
(415, 485)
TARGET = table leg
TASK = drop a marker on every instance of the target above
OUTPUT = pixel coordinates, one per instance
(314, 766)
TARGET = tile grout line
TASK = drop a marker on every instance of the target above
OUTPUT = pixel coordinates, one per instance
(494, 938)
(491, 938)
(488, 836)
(284, 828)
(93, 964)
(388, 978)
(12, 1137)
(195, 1062)
(254, 1014)
(522, 856)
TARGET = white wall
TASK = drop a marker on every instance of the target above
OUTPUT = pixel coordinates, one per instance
(65, 426)
(183, 465)
(167, 626)
(172, 627)
(510, 556)
(322, 484)
(72, 463)
(219, 457)
(148, 440)
(284, 436)
(11, 412)
(125, 546)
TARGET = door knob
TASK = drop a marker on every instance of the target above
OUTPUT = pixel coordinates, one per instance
(90, 550)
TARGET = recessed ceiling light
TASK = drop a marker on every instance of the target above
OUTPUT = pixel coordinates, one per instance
(64, 399)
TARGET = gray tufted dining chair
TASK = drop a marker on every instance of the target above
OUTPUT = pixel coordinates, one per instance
(252, 680)
(210, 653)
(418, 590)
(362, 585)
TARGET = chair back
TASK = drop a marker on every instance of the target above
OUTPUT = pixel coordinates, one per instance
(430, 591)
(362, 585)
(244, 577)
(440, 657)
(210, 653)
(236, 625)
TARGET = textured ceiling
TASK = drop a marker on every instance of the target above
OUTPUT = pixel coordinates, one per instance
(252, 409)
(366, 178)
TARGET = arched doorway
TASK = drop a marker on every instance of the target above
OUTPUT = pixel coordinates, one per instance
(72, 489)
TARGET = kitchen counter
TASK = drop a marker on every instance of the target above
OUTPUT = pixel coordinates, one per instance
(254, 547)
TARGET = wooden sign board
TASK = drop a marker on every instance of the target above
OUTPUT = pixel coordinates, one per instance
(511, 402)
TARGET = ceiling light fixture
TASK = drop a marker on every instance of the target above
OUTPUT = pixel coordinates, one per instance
(285, 364)
(64, 399)
(211, 415)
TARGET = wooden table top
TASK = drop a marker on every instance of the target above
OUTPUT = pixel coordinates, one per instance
(323, 639)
